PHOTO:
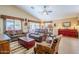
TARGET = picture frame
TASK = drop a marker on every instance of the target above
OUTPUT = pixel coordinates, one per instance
(66, 24)
(78, 23)
(54, 24)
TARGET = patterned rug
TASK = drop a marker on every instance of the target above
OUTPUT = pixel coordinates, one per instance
(16, 48)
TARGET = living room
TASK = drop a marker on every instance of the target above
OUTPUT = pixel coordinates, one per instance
(27, 29)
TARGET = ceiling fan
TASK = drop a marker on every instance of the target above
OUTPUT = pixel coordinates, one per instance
(45, 11)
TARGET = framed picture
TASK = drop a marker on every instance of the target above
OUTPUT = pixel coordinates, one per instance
(67, 24)
(78, 23)
(55, 25)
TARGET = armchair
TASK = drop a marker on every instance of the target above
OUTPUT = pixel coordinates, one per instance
(53, 49)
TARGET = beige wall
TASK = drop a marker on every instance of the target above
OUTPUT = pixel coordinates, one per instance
(59, 24)
(13, 11)
(1, 26)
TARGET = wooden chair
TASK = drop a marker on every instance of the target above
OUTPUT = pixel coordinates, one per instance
(40, 49)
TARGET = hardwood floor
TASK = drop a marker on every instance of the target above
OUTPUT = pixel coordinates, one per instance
(69, 46)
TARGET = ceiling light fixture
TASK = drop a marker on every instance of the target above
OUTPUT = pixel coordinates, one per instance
(45, 12)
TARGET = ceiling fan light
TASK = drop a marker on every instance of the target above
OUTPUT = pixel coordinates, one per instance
(44, 13)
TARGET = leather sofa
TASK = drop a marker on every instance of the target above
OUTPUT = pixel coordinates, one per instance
(38, 37)
(15, 34)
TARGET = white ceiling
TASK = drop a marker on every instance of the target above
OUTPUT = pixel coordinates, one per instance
(58, 11)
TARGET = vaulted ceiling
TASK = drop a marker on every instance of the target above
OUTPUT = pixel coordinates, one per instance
(52, 11)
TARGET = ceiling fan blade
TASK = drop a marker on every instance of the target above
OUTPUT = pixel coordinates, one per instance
(32, 7)
(49, 11)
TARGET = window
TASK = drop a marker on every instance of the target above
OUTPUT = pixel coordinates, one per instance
(9, 24)
(34, 25)
(46, 25)
(17, 25)
(13, 24)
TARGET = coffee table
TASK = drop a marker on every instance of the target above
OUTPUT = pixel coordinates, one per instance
(26, 42)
